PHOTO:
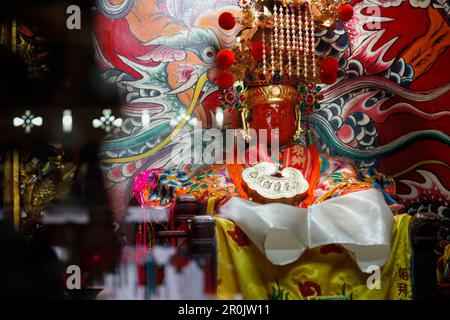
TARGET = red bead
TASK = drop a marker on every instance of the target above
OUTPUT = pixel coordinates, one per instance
(229, 97)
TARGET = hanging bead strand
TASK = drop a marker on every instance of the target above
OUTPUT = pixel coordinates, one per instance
(288, 42)
(306, 46)
(294, 41)
(313, 46)
(300, 40)
(281, 41)
(272, 56)
(264, 53)
(275, 32)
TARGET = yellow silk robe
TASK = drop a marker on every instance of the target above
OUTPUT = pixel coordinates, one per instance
(328, 271)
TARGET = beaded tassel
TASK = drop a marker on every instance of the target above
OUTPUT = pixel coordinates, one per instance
(288, 42)
(280, 20)
(272, 55)
(294, 42)
(300, 40)
(275, 27)
(264, 52)
(306, 46)
(313, 47)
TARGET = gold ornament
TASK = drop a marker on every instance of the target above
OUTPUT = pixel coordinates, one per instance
(271, 94)
(285, 31)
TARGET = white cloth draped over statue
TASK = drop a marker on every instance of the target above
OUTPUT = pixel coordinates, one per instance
(360, 221)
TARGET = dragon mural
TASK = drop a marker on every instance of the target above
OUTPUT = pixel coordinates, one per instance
(387, 110)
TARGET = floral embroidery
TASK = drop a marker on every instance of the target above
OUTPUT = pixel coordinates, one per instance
(309, 288)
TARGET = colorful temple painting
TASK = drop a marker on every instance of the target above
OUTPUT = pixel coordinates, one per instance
(387, 110)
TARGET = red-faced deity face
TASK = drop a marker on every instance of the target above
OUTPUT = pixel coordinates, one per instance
(272, 116)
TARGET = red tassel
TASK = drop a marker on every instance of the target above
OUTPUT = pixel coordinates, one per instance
(225, 58)
(225, 80)
(329, 65)
(328, 78)
(314, 176)
(345, 12)
(173, 241)
(227, 21)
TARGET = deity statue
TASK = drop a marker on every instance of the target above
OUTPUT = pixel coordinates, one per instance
(291, 223)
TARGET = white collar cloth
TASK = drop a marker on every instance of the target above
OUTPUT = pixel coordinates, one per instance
(359, 221)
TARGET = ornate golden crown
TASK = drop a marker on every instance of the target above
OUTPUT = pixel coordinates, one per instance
(275, 54)
(277, 42)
